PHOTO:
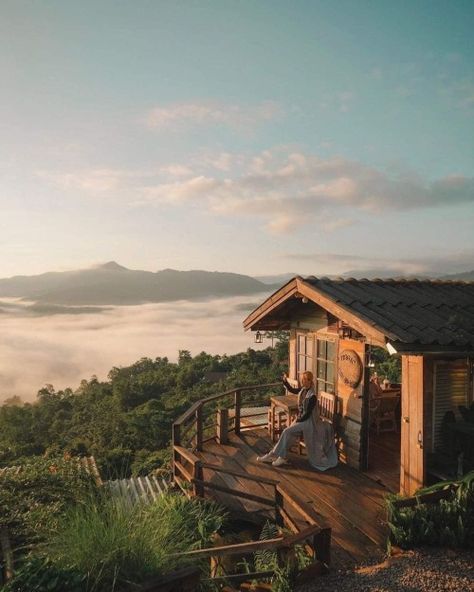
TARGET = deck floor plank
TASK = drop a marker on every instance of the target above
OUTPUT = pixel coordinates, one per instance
(350, 502)
(237, 506)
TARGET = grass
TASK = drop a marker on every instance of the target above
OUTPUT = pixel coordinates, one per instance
(114, 546)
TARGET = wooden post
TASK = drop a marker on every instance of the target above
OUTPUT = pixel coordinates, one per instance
(6, 552)
(198, 474)
(322, 546)
(199, 428)
(222, 426)
(177, 434)
(238, 402)
(278, 506)
(176, 442)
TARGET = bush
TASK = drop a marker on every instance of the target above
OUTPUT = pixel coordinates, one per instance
(113, 545)
(145, 461)
(449, 522)
(34, 499)
(37, 574)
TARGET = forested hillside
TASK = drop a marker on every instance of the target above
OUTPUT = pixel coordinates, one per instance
(125, 421)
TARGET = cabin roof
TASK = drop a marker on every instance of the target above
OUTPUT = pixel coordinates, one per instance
(409, 312)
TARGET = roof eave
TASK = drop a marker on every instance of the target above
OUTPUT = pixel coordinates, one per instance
(427, 349)
(271, 303)
(297, 285)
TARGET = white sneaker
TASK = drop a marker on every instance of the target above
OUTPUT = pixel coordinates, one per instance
(266, 458)
(279, 462)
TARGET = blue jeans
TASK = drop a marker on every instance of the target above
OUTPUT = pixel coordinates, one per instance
(287, 439)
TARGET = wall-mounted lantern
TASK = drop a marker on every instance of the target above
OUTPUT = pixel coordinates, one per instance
(258, 337)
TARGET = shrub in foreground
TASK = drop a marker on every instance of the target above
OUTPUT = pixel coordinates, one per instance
(448, 522)
(113, 546)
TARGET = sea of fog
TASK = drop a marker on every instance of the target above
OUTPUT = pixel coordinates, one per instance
(38, 348)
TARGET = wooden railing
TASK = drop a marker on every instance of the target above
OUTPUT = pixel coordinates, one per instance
(189, 475)
(278, 544)
(432, 497)
(213, 418)
(199, 423)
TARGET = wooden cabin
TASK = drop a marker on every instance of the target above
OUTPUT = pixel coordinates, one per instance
(335, 326)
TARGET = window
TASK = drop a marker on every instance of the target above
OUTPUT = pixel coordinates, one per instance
(304, 353)
(325, 366)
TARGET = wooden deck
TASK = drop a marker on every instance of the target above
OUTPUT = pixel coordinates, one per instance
(348, 501)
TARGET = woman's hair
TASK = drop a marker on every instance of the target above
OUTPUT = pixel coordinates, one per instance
(309, 376)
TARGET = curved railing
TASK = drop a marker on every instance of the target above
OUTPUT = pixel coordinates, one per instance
(201, 421)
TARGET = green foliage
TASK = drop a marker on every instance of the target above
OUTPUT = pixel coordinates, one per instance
(126, 419)
(448, 522)
(113, 545)
(286, 571)
(38, 574)
(386, 365)
(32, 501)
(146, 462)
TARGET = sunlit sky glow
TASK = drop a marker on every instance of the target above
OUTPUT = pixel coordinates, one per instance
(259, 137)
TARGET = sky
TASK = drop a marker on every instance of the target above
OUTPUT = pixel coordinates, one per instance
(258, 137)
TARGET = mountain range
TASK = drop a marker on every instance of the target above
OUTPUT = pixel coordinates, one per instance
(113, 284)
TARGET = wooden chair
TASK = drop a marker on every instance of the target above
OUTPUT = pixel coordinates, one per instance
(327, 412)
(327, 406)
(276, 424)
(383, 413)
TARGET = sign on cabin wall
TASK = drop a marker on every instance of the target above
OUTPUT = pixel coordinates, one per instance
(350, 367)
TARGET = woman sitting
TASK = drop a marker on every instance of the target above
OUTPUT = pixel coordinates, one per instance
(318, 434)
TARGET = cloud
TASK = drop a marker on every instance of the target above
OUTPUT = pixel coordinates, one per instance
(456, 262)
(282, 188)
(176, 115)
(63, 349)
(285, 188)
(96, 181)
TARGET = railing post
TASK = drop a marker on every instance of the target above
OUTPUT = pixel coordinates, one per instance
(199, 428)
(238, 402)
(222, 426)
(176, 434)
(7, 553)
(278, 507)
(176, 442)
(322, 546)
(198, 475)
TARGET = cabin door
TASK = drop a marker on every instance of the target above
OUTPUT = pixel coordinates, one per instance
(412, 462)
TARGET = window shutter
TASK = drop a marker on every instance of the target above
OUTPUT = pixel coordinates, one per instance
(451, 389)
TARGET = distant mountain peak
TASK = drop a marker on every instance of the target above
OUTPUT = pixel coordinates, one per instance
(111, 266)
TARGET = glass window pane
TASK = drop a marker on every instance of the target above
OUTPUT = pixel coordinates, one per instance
(301, 364)
(321, 348)
(321, 370)
(331, 350)
(301, 344)
(330, 373)
(309, 346)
